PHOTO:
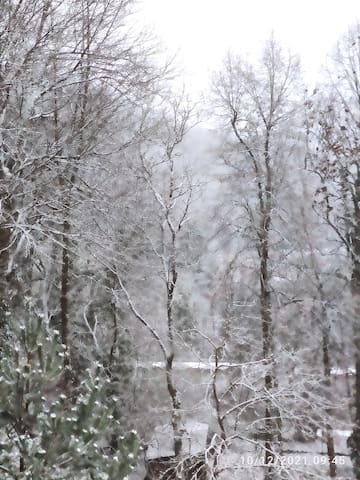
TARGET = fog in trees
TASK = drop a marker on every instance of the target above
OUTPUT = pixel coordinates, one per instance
(179, 285)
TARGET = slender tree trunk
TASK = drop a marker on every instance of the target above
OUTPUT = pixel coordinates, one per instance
(5, 202)
(325, 339)
(330, 447)
(266, 202)
(354, 440)
(174, 395)
(115, 337)
(176, 406)
(68, 183)
(65, 254)
(64, 303)
(65, 285)
(356, 431)
(265, 305)
(219, 416)
(5, 237)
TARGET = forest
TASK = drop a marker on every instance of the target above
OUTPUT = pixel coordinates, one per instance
(179, 278)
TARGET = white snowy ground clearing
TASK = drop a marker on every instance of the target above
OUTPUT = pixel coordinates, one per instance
(194, 440)
(244, 459)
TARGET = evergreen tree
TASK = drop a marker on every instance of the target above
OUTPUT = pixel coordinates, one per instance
(51, 433)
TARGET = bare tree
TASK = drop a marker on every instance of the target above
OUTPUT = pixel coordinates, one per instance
(163, 173)
(334, 146)
(257, 103)
(73, 72)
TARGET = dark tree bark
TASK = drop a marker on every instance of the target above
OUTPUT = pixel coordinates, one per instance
(354, 440)
(65, 286)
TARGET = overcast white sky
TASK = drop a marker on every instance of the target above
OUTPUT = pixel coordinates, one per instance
(202, 31)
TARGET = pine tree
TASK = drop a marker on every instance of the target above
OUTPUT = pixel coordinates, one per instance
(50, 433)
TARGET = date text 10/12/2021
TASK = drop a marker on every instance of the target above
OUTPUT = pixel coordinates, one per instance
(252, 461)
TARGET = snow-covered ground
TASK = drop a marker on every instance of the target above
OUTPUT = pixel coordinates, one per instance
(243, 459)
(194, 440)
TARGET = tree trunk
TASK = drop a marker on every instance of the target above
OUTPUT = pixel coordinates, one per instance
(176, 406)
(64, 297)
(174, 395)
(325, 339)
(5, 236)
(64, 303)
(354, 440)
(265, 301)
(266, 201)
(330, 447)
